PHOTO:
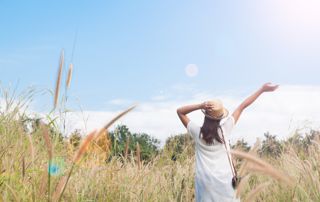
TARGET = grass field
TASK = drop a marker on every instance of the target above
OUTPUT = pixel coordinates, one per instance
(25, 157)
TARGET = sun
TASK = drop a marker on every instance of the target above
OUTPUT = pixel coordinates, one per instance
(192, 70)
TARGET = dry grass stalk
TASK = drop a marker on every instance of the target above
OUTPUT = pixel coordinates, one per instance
(59, 188)
(47, 141)
(64, 180)
(50, 155)
(31, 147)
(108, 143)
(84, 146)
(138, 153)
(58, 81)
(249, 158)
(23, 167)
(43, 183)
(308, 171)
(105, 128)
(254, 193)
(258, 165)
(253, 151)
(242, 185)
(272, 172)
(69, 78)
(101, 144)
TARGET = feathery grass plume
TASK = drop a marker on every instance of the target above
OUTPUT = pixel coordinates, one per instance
(138, 153)
(254, 193)
(108, 142)
(83, 148)
(58, 81)
(249, 157)
(43, 183)
(47, 141)
(258, 165)
(69, 78)
(59, 188)
(272, 172)
(252, 151)
(102, 130)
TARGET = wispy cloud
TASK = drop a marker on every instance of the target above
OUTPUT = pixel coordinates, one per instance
(119, 102)
(280, 113)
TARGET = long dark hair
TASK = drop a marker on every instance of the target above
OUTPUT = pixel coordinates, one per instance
(210, 131)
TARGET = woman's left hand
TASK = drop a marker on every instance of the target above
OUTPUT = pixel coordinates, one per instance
(206, 106)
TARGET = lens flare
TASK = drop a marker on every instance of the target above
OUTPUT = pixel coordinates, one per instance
(56, 167)
(192, 70)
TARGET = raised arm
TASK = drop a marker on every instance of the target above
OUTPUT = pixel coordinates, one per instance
(183, 111)
(268, 87)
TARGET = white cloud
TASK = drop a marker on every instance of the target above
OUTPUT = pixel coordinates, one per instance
(119, 102)
(280, 113)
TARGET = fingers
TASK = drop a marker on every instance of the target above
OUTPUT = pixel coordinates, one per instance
(207, 106)
(270, 86)
(274, 86)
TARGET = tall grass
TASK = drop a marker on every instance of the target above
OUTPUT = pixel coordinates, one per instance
(23, 177)
(290, 177)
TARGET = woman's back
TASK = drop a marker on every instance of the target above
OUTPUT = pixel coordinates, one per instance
(213, 170)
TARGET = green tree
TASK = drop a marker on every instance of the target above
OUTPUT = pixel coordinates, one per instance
(179, 146)
(75, 138)
(301, 142)
(123, 141)
(241, 145)
(271, 147)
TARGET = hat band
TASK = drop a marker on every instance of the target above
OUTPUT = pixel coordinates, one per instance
(216, 116)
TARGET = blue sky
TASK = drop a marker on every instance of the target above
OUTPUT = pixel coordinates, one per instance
(137, 51)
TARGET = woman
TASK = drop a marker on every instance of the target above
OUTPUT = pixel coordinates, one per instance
(214, 171)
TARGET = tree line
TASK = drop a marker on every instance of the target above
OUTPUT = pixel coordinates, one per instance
(178, 147)
(122, 143)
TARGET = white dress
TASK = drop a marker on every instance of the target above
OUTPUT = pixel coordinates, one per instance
(213, 172)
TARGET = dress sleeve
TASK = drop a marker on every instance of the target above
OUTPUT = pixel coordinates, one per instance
(228, 126)
(193, 129)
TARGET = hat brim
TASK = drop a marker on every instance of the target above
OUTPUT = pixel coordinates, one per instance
(224, 115)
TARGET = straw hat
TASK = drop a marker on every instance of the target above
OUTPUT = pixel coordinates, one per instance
(216, 111)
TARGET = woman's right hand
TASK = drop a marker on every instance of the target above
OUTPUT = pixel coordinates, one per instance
(269, 87)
